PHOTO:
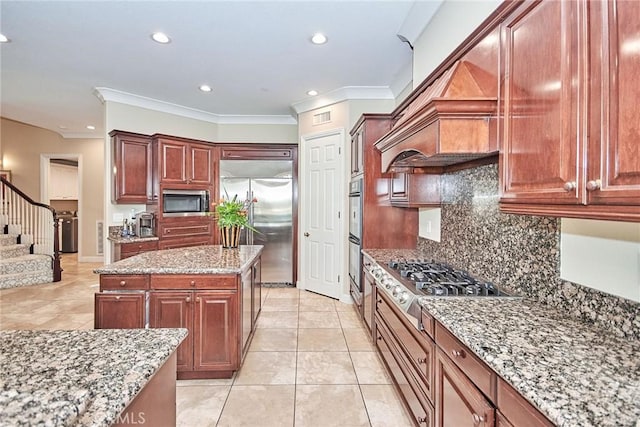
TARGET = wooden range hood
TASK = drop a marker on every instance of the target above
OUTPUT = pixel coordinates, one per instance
(452, 121)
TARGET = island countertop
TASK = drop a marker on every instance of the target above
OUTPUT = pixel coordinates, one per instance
(78, 378)
(191, 260)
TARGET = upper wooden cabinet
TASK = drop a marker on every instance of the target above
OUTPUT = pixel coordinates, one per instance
(414, 190)
(184, 162)
(376, 205)
(133, 161)
(570, 126)
(614, 128)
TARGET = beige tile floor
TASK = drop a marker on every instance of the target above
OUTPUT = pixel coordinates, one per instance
(310, 363)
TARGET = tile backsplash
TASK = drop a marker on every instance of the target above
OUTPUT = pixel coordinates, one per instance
(517, 252)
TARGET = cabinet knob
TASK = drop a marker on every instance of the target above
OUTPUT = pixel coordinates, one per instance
(422, 420)
(192, 283)
(569, 186)
(123, 282)
(422, 360)
(477, 419)
(187, 299)
(594, 185)
(118, 298)
(197, 299)
(456, 353)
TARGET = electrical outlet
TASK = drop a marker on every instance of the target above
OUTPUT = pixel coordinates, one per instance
(118, 218)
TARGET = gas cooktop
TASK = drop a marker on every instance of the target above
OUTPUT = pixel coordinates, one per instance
(439, 279)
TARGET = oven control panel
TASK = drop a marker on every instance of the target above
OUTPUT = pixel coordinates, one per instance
(389, 285)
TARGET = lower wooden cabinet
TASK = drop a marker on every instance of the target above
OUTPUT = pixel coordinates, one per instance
(409, 359)
(216, 332)
(219, 310)
(174, 310)
(123, 310)
(459, 403)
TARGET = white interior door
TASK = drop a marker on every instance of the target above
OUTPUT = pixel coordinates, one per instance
(321, 213)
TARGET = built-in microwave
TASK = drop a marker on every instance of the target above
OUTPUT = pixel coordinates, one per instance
(185, 202)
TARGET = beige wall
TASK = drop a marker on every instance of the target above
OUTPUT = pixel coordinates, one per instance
(22, 147)
(454, 21)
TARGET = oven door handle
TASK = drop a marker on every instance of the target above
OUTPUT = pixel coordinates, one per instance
(354, 239)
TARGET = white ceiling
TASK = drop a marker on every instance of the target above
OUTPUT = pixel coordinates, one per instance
(255, 54)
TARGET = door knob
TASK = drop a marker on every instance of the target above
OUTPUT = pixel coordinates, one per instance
(306, 234)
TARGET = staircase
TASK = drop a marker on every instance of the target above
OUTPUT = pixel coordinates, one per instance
(29, 247)
(20, 268)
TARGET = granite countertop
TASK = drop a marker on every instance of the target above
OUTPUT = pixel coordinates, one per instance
(191, 260)
(78, 378)
(131, 239)
(575, 373)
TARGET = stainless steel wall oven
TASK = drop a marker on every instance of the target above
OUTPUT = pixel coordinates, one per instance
(355, 239)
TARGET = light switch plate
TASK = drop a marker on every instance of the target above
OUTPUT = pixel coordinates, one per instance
(118, 218)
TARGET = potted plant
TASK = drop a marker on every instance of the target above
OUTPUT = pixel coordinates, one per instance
(232, 215)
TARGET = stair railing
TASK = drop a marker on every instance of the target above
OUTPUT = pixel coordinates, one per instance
(35, 223)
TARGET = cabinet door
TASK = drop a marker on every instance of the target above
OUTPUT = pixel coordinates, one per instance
(119, 311)
(399, 187)
(256, 289)
(543, 139)
(133, 174)
(174, 310)
(246, 308)
(200, 165)
(216, 338)
(458, 402)
(357, 152)
(613, 175)
(173, 162)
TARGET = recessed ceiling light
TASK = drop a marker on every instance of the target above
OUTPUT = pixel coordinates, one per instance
(3, 39)
(318, 38)
(205, 88)
(312, 93)
(91, 127)
(161, 38)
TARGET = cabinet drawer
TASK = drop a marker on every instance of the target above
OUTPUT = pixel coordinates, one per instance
(123, 282)
(185, 242)
(127, 249)
(201, 228)
(517, 409)
(412, 394)
(418, 349)
(479, 373)
(194, 281)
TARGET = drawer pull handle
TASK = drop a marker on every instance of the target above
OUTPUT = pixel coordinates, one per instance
(123, 282)
(422, 420)
(192, 283)
(477, 419)
(422, 360)
(456, 353)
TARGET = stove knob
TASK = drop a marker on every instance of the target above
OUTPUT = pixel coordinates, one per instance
(396, 291)
(404, 297)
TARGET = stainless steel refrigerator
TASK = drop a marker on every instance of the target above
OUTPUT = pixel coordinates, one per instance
(271, 183)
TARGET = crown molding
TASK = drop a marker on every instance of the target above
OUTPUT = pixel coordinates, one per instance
(105, 94)
(343, 94)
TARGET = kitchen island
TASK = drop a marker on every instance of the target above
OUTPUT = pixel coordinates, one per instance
(213, 292)
(88, 377)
